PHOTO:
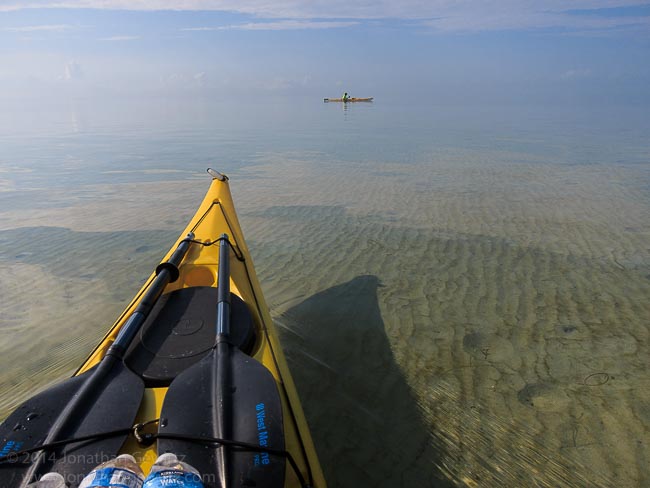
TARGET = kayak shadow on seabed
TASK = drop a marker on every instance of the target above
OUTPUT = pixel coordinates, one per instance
(363, 416)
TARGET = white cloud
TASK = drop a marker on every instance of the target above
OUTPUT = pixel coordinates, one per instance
(279, 25)
(534, 20)
(292, 25)
(184, 80)
(73, 71)
(444, 15)
(119, 38)
(198, 29)
(39, 28)
(200, 78)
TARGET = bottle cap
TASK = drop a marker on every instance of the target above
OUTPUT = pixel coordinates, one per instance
(127, 457)
(52, 477)
(168, 457)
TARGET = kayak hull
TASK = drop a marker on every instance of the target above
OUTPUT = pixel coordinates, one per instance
(349, 100)
(215, 216)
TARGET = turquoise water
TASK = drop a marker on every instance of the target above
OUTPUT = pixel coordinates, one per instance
(462, 292)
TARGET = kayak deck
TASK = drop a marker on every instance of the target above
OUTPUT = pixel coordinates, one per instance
(180, 332)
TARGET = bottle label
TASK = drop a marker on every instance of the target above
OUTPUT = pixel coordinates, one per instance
(111, 477)
(173, 478)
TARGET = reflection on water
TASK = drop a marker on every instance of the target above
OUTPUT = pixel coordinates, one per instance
(463, 295)
(350, 106)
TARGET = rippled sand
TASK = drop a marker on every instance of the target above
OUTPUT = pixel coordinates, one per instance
(514, 298)
(465, 319)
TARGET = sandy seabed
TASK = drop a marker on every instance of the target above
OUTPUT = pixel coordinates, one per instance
(462, 320)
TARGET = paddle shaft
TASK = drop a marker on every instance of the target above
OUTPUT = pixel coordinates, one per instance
(222, 389)
(223, 289)
(166, 272)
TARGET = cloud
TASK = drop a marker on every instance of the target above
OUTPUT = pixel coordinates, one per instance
(496, 20)
(293, 25)
(119, 38)
(73, 71)
(184, 80)
(39, 28)
(441, 15)
(280, 25)
(198, 29)
(200, 78)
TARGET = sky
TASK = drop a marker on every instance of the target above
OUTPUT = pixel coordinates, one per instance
(451, 51)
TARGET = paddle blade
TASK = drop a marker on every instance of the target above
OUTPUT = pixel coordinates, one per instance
(113, 406)
(28, 426)
(189, 409)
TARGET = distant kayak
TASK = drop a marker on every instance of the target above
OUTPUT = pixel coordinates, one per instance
(348, 100)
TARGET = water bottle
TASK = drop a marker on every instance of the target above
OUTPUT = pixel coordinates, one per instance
(121, 472)
(169, 472)
(49, 480)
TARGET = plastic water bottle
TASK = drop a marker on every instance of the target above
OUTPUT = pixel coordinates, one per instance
(49, 480)
(169, 472)
(121, 472)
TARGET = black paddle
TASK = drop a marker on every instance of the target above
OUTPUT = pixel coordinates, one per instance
(103, 399)
(227, 395)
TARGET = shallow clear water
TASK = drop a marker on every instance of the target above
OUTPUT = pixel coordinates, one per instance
(462, 293)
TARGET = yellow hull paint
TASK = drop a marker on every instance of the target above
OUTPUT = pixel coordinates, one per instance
(215, 216)
(349, 100)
